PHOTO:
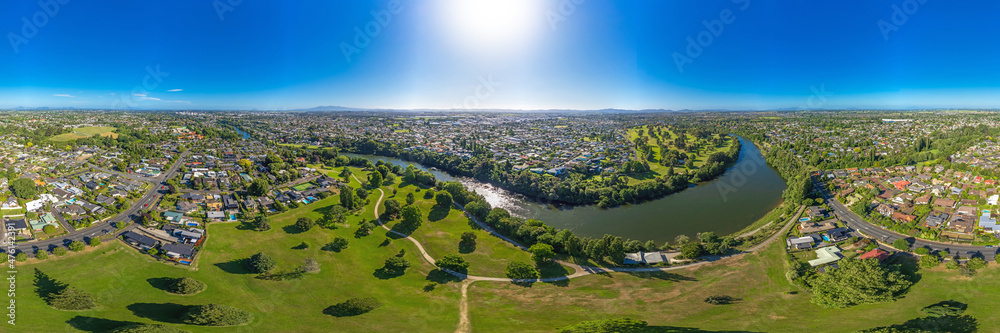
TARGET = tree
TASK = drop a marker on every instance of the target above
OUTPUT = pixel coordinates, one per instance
(71, 299)
(76, 246)
(922, 251)
(392, 207)
(410, 198)
(186, 286)
(708, 237)
(59, 251)
(976, 263)
(477, 208)
(901, 244)
(304, 223)
(681, 239)
(353, 307)
(375, 180)
(929, 261)
(692, 250)
(24, 188)
(719, 299)
(311, 266)
(858, 282)
(258, 187)
(261, 263)
(349, 198)
(261, 223)
(542, 252)
(245, 164)
(21, 257)
(334, 215)
(216, 315)
(42, 254)
(443, 199)
(364, 229)
(620, 325)
(339, 243)
(519, 270)
(453, 262)
(49, 229)
(469, 238)
(412, 217)
(396, 265)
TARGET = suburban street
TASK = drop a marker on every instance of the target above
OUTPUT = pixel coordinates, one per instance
(98, 229)
(887, 236)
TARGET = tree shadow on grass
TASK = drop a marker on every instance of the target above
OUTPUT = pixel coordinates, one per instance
(441, 277)
(92, 324)
(465, 248)
(235, 266)
(661, 275)
(45, 285)
(162, 312)
(385, 274)
(161, 283)
(438, 212)
(291, 229)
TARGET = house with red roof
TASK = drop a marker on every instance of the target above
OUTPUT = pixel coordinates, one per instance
(876, 253)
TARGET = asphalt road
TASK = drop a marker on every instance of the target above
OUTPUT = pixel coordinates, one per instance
(887, 236)
(146, 202)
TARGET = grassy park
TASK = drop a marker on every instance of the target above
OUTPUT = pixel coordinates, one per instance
(657, 143)
(85, 132)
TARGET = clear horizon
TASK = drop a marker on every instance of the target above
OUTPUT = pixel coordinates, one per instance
(492, 54)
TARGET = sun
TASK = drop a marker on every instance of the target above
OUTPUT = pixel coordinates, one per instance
(492, 25)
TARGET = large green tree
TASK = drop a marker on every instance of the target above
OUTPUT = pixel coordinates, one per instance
(24, 188)
(858, 282)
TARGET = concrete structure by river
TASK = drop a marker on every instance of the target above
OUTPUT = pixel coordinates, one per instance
(746, 192)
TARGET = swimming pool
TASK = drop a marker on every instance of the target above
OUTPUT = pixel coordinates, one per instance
(805, 219)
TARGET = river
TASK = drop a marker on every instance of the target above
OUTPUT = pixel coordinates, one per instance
(745, 193)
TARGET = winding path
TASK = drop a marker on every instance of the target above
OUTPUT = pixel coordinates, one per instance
(464, 324)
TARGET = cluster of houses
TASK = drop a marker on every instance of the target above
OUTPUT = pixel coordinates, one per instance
(175, 243)
(957, 203)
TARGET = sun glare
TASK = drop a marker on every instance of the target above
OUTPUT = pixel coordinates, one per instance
(495, 26)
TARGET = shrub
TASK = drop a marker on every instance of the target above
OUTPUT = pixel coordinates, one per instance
(216, 315)
(21, 257)
(186, 286)
(453, 262)
(929, 261)
(339, 243)
(521, 271)
(260, 263)
(95, 241)
(311, 265)
(353, 307)
(977, 263)
(76, 246)
(922, 250)
(429, 194)
(952, 264)
(49, 229)
(59, 251)
(148, 328)
(42, 254)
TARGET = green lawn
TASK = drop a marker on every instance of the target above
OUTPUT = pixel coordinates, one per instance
(656, 169)
(674, 299)
(440, 235)
(85, 132)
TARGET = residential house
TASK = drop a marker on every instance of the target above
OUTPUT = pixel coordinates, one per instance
(826, 255)
(143, 242)
(229, 203)
(186, 207)
(216, 216)
(935, 221)
(182, 251)
(946, 203)
(800, 243)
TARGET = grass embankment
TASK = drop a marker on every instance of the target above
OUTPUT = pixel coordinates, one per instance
(675, 299)
(86, 132)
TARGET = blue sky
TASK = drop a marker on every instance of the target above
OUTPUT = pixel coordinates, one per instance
(523, 54)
